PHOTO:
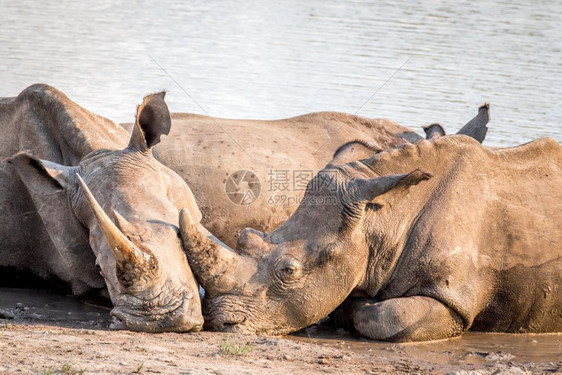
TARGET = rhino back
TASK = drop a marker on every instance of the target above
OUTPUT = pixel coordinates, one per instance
(205, 151)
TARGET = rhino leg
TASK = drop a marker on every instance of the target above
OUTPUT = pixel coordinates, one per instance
(416, 318)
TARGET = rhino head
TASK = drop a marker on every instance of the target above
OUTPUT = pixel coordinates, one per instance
(129, 205)
(280, 282)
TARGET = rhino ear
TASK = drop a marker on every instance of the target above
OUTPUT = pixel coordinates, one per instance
(354, 150)
(434, 131)
(35, 172)
(153, 120)
(478, 126)
(384, 189)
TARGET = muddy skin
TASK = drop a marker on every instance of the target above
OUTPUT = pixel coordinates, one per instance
(88, 205)
(204, 156)
(425, 242)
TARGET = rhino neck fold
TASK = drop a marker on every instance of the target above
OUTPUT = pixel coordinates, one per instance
(382, 261)
(387, 228)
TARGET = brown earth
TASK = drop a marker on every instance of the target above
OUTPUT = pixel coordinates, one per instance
(46, 334)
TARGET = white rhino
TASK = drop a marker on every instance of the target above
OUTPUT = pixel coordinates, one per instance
(476, 245)
(54, 228)
(205, 151)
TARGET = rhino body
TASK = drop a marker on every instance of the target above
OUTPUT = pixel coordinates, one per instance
(475, 245)
(53, 226)
(205, 151)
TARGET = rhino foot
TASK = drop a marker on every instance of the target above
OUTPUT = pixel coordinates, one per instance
(416, 318)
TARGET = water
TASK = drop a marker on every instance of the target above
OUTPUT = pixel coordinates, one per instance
(274, 60)
(469, 348)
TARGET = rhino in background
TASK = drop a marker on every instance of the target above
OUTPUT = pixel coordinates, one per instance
(54, 228)
(476, 245)
(204, 151)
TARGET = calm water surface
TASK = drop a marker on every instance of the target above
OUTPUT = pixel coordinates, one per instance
(273, 60)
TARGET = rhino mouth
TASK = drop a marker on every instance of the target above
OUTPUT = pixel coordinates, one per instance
(227, 322)
(180, 318)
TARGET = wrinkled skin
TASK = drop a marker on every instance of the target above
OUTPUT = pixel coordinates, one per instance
(422, 242)
(52, 127)
(129, 242)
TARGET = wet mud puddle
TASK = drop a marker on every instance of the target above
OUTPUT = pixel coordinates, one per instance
(471, 348)
(39, 305)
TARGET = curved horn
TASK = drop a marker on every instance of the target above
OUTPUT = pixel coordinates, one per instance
(213, 263)
(122, 248)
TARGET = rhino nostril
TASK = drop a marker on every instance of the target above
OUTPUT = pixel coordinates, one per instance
(231, 321)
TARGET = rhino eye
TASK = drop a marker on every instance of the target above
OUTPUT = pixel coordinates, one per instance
(289, 269)
(98, 268)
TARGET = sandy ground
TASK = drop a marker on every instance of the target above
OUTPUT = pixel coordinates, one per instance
(46, 335)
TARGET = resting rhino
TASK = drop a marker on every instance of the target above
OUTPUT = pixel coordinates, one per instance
(477, 245)
(204, 151)
(54, 228)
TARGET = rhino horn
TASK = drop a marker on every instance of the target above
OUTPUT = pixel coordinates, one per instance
(122, 248)
(215, 265)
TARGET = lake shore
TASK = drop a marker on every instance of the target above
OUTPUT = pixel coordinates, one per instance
(36, 348)
(42, 333)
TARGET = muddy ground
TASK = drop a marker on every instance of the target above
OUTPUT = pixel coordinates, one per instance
(50, 334)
